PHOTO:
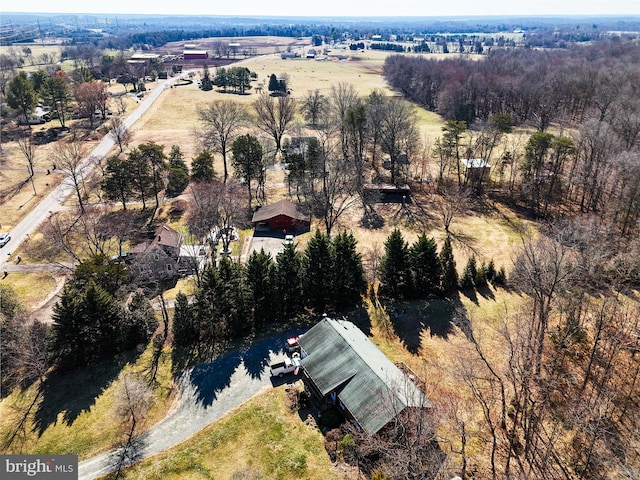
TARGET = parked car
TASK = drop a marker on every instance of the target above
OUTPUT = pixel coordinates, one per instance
(4, 239)
(288, 239)
(288, 365)
(292, 344)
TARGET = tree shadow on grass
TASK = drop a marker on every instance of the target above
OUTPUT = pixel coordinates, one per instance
(437, 316)
(72, 392)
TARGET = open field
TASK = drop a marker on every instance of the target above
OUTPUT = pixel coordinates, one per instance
(262, 437)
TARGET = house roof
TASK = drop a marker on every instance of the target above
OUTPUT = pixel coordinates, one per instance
(475, 162)
(340, 357)
(283, 207)
(167, 237)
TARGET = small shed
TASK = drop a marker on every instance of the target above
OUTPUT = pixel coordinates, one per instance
(283, 215)
(386, 193)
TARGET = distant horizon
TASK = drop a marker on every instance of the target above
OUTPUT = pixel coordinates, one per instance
(336, 9)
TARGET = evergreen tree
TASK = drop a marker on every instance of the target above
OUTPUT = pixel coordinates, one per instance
(288, 282)
(230, 298)
(317, 276)
(202, 167)
(247, 161)
(348, 273)
(274, 85)
(426, 269)
(55, 92)
(206, 84)
(467, 281)
(206, 320)
(395, 273)
(105, 273)
(185, 328)
(178, 173)
(480, 280)
(87, 326)
(140, 321)
(490, 271)
(153, 154)
(21, 95)
(141, 176)
(118, 182)
(259, 274)
(449, 272)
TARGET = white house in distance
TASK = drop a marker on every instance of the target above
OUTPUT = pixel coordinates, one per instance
(476, 169)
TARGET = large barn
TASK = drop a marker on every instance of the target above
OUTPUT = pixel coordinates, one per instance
(341, 366)
(195, 55)
(283, 215)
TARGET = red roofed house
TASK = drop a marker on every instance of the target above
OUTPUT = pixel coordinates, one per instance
(283, 215)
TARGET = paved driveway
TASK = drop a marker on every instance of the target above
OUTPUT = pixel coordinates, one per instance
(207, 392)
(269, 240)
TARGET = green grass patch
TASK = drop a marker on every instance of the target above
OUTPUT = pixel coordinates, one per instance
(262, 436)
(69, 417)
(32, 288)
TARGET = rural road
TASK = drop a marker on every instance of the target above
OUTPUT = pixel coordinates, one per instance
(53, 201)
(206, 393)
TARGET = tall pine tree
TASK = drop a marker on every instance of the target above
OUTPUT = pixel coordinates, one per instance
(259, 275)
(317, 279)
(185, 329)
(348, 273)
(426, 269)
(395, 273)
(288, 282)
(449, 272)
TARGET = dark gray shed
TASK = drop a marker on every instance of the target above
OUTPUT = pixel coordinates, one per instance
(342, 365)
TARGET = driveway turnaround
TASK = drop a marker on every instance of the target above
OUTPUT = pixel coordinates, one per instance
(206, 393)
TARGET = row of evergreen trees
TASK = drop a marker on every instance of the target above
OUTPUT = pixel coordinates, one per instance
(236, 299)
(328, 276)
(419, 271)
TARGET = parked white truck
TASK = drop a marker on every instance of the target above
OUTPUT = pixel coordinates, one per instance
(288, 365)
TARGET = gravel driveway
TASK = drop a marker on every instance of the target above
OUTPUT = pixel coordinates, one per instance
(207, 393)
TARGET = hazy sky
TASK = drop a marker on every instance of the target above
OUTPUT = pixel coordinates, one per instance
(358, 8)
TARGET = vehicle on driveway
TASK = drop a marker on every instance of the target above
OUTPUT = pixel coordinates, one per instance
(4, 239)
(288, 365)
(288, 239)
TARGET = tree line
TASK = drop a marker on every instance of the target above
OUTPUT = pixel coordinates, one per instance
(533, 86)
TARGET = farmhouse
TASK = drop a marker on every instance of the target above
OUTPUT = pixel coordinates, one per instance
(341, 366)
(283, 215)
(157, 259)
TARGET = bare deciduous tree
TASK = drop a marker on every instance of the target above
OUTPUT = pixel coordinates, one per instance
(274, 116)
(69, 157)
(28, 150)
(132, 402)
(223, 120)
(119, 133)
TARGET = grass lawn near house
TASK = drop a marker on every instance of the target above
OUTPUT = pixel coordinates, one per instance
(75, 413)
(32, 288)
(263, 437)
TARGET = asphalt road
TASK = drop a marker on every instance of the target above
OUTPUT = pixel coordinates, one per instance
(206, 393)
(53, 201)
